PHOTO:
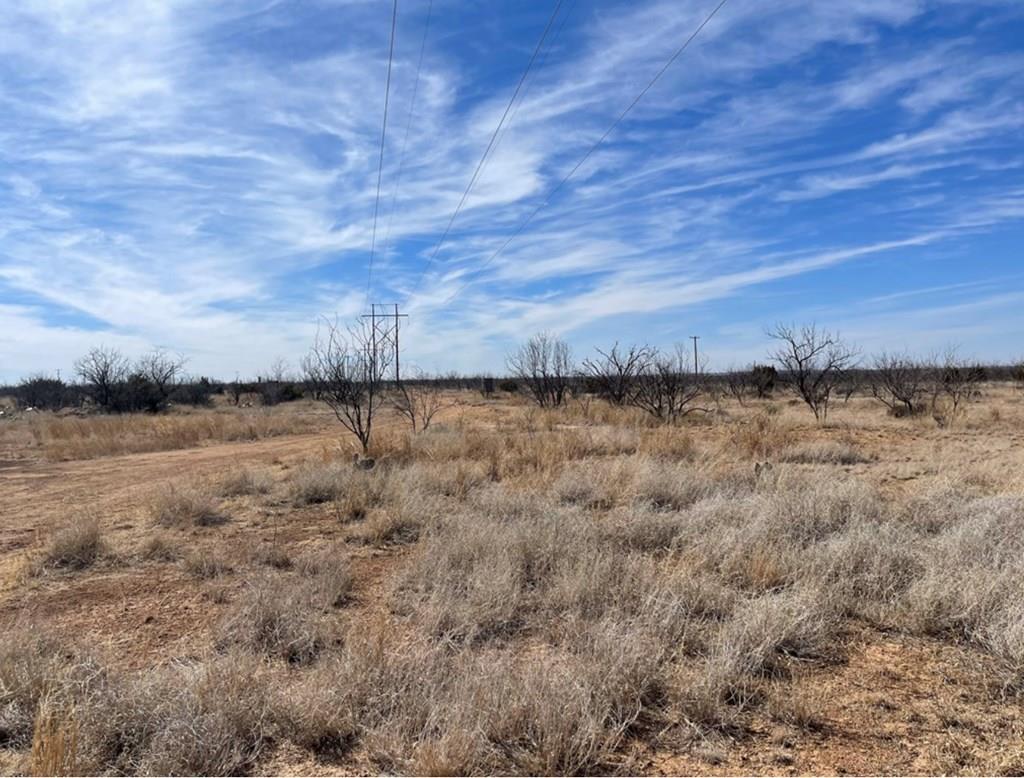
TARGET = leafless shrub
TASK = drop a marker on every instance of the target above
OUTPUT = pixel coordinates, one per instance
(544, 365)
(347, 372)
(419, 401)
(667, 389)
(615, 373)
(812, 361)
(956, 382)
(182, 505)
(75, 546)
(900, 383)
(738, 383)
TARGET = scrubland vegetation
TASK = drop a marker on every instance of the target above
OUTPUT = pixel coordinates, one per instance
(566, 584)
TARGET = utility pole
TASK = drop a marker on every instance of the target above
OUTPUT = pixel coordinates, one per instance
(398, 318)
(696, 368)
(373, 316)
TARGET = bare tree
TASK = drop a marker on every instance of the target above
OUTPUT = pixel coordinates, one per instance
(900, 383)
(161, 370)
(738, 383)
(615, 373)
(346, 369)
(419, 401)
(544, 364)
(104, 371)
(668, 388)
(956, 380)
(813, 362)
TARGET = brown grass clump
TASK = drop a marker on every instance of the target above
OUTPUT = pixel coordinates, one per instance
(211, 717)
(246, 481)
(75, 546)
(329, 576)
(317, 482)
(160, 548)
(207, 563)
(761, 438)
(280, 620)
(194, 504)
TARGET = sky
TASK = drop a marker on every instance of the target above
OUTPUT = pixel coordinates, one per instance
(202, 176)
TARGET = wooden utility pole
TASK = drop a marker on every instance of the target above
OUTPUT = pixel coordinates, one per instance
(696, 367)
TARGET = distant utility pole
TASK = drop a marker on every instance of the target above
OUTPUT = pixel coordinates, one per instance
(696, 368)
(387, 325)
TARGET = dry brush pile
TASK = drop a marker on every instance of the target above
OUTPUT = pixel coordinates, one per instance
(561, 595)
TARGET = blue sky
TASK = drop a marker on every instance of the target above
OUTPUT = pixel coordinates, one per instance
(200, 176)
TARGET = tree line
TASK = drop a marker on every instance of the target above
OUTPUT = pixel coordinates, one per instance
(350, 370)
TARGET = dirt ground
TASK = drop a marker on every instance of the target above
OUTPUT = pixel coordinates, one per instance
(891, 704)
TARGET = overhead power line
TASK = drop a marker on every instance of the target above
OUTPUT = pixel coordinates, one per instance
(490, 144)
(590, 151)
(383, 135)
(529, 84)
(408, 126)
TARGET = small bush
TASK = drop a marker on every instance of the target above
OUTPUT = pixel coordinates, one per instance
(183, 506)
(206, 564)
(275, 620)
(329, 577)
(245, 481)
(313, 483)
(159, 548)
(75, 546)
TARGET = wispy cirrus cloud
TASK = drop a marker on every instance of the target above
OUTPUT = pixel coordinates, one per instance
(201, 176)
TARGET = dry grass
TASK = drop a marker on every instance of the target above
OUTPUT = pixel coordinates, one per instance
(207, 563)
(75, 547)
(89, 437)
(822, 452)
(184, 505)
(553, 592)
(245, 481)
(275, 620)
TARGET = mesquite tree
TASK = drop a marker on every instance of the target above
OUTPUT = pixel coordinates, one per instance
(900, 383)
(813, 362)
(668, 388)
(346, 370)
(544, 364)
(616, 372)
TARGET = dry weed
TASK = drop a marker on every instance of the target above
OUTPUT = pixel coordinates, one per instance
(183, 505)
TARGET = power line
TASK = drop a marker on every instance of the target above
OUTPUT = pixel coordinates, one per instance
(383, 135)
(490, 144)
(408, 126)
(530, 83)
(591, 150)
